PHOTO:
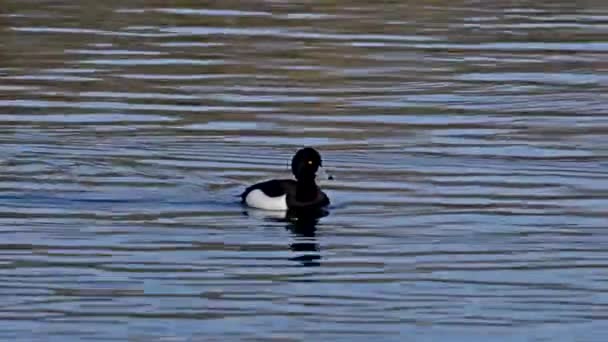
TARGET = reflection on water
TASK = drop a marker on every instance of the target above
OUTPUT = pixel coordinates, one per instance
(302, 225)
(468, 139)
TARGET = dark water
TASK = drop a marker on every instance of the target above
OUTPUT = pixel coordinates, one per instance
(468, 140)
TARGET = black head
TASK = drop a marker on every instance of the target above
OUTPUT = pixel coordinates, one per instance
(305, 163)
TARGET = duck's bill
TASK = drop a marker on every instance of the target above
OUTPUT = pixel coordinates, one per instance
(324, 174)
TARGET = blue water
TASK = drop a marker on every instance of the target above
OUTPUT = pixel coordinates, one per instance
(468, 142)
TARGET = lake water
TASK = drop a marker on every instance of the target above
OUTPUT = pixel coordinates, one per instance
(468, 141)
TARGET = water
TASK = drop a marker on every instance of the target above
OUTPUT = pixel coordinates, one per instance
(468, 141)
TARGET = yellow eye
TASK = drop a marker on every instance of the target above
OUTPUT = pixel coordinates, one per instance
(310, 162)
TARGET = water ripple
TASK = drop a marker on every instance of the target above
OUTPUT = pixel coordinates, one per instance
(467, 143)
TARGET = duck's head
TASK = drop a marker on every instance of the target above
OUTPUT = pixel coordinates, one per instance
(305, 163)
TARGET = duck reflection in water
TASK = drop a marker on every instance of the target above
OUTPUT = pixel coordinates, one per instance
(303, 225)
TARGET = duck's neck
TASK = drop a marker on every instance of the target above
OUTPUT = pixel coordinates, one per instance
(306, 189)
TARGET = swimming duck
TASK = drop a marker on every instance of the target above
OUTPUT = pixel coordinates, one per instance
(289, 194)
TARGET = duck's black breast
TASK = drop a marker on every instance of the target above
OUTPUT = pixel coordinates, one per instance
(272, 188)
(319, 200)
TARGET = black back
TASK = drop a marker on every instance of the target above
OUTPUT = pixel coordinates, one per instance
(272, 188)
(279, 187)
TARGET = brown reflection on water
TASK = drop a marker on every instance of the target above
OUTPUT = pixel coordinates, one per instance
(467, 139)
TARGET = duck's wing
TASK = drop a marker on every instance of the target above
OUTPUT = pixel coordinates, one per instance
(271, 188)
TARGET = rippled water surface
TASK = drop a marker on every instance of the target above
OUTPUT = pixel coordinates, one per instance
(468, 140)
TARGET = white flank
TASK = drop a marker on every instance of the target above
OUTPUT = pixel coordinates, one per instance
(260, 200)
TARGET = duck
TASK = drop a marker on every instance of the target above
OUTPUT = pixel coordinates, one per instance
(289, 194)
